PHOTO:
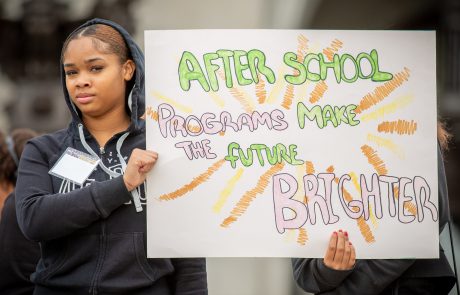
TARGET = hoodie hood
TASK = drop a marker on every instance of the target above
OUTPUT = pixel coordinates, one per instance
(136, 99)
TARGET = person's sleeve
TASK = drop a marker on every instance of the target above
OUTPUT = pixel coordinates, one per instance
(312, 275)
(368, 277)
(190, 276)
(372, 276)
(45, 215)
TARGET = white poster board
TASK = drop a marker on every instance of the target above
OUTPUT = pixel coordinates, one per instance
(270, 140)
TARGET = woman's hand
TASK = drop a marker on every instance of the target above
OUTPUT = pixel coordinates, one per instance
(340, 254)
(139, 164)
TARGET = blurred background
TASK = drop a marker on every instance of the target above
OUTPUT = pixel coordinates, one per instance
(32, 33)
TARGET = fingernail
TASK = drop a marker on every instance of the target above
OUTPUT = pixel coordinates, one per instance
(340, 230)
(350, 243)
(335, 233)
(346, 234)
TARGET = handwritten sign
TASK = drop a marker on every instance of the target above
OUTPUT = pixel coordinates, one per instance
(270, 140)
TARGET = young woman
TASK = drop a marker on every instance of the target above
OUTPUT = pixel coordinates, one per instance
(18, 256)
(339, 273)
(92, 237)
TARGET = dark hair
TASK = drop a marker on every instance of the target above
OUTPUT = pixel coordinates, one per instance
(443, 136)
(8, 166)
(105, 38)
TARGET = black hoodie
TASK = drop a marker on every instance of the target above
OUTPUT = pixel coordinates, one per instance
(92, 239)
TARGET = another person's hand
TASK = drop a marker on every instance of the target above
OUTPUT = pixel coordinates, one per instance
(139, 164)
(340, 254)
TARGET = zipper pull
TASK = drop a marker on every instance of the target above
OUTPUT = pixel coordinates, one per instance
(102, 150)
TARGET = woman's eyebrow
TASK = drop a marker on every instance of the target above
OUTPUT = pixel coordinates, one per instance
(90, 60)
(87, 61)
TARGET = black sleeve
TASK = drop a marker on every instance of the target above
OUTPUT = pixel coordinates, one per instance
(38, 206)
(312, 275)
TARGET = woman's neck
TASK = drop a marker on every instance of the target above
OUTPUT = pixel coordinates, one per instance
(104, 128)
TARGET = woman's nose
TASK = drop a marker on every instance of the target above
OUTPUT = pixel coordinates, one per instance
(83, 81)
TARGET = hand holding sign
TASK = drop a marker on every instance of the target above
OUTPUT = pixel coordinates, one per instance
(139, 164)
(340, 254)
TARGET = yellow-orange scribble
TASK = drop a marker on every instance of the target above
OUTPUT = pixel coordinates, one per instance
(365, 230)
(194, 183)
(401, 127)
(243, 204)
(354, 180)
(151, 113)
(362, 225)
(386, 143)
(301, 91)
(387, 109)
(346, 194)
(290, 235)
(239, 95)
(277, 87)
(409, 206)
(217, 99)
(194, 128)
(309, 168)
(288, 96)
(318, 92)
(396, 191)
(222, 133)
(332, 49)
(374, 160)
(302, 238)
(300, 195)
(172, 102)
(261, 93)
(227, 191)
(381, 92)
(302, 48)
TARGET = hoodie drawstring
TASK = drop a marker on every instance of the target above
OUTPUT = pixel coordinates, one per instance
(135, 193)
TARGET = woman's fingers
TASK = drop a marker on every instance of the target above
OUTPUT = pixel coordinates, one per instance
(143, 159)
(139, 164)
(352, 261)
(340, 254)
(330, 252)
(338, 258)
(346, 255)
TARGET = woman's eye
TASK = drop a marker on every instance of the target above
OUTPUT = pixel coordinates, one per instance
(70, 73)
(96, 69)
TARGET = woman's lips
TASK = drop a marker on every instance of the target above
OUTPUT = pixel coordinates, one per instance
(84, 98)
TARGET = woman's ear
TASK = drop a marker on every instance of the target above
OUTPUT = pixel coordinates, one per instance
(128, 69)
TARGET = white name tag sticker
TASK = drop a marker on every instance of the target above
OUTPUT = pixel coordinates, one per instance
(75, 166)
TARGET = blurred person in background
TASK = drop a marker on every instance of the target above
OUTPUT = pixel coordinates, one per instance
(11, 147)
(18, 256)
